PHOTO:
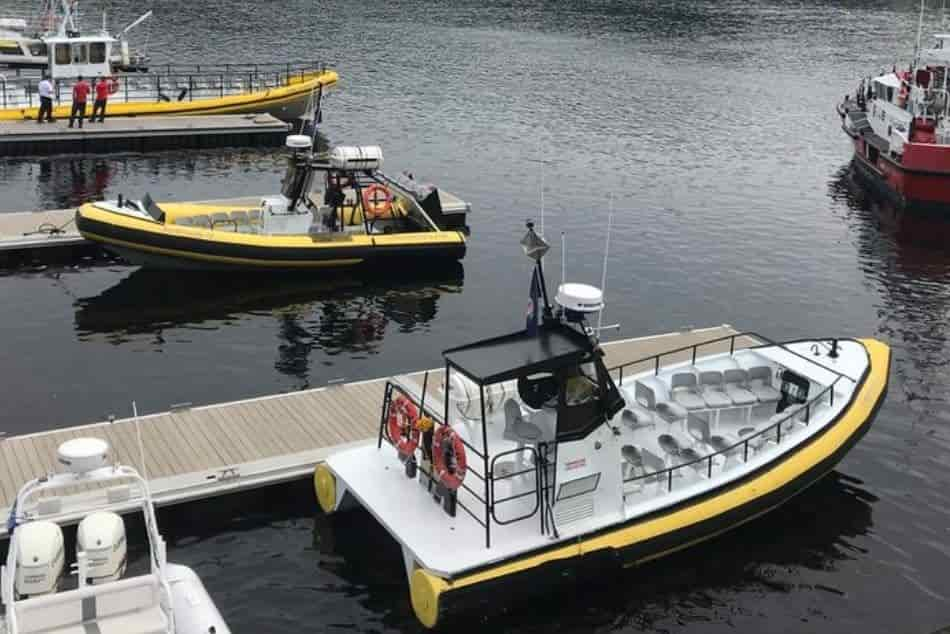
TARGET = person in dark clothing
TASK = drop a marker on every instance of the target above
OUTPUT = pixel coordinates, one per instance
(80, 95)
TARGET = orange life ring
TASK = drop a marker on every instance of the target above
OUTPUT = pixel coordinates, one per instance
(401, 425)
(448, 457)
(377, 201)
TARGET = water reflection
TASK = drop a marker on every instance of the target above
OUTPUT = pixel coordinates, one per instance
(347, 313)
(905, 257)
(774, 554)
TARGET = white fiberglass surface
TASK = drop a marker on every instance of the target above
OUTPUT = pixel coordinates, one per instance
(680, 454)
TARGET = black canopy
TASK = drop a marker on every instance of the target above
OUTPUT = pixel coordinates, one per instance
(510, 356)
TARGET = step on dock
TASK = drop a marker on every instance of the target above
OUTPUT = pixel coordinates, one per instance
(140, 134)
(193, 453)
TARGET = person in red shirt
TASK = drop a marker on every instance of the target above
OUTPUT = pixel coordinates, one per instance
(80, 94)
(104, 87)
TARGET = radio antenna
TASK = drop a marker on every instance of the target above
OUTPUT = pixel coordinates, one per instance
(541, 228)
(563, 257)
(603, 275)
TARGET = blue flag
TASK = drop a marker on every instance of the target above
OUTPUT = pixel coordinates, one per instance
(531, 322)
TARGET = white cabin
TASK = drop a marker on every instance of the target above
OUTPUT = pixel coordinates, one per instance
(86, 55)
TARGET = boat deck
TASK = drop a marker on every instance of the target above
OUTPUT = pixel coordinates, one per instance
(199, 452)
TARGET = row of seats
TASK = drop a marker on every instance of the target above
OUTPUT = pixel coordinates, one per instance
(240, 221)
(692, 390)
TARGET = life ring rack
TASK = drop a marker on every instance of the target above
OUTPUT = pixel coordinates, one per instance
(401, 425)
(448, 457)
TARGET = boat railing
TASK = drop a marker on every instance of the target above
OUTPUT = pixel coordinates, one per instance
(703, 465)
(531, 461)
(170, 82)
(727, 343)
(395, 390)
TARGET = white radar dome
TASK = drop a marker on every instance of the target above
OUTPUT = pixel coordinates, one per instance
(81, 455)
(299, 142)
(581, 298)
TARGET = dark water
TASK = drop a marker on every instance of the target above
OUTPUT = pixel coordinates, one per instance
(711, 123)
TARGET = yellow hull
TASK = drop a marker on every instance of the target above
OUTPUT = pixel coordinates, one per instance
(285, 102)
(170, 245)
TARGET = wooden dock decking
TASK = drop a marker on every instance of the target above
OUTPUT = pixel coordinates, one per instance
(19, 138)
(200, 452)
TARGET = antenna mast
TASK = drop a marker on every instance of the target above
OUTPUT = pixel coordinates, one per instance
(920, 27)
(603, 275)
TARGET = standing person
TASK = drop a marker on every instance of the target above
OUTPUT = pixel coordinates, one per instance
(46, 99)
(103, 87)
(80, 94)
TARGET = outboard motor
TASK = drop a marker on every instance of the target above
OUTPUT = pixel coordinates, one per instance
(40, 558)
(101, 536)
(297, 181)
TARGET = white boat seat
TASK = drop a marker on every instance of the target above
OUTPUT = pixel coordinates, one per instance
(201, 221)
(645, 396)
(760, 384)
(635, 417)
(684, 391)
(710, 383)
(222, 220)
(652, 463)
(734, 385)
(127, 605)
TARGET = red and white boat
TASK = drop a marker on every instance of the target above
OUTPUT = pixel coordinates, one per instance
(900, 125)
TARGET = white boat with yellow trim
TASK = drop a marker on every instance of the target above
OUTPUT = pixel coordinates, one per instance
(285, 90)
(537, 457)
(110, 594)
(359, 216)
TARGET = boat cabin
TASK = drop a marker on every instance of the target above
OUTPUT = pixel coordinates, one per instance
(86, 55)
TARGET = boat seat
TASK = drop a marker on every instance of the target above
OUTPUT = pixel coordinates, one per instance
(685, 392)
(710, 383)
(652, 463)
(646, 397)
(734, 385)
(201, 221)
(221, 220)
(127, 605)
(636, 417)
(760, 384)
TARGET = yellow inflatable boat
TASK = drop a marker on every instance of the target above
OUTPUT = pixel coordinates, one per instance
(359, 216)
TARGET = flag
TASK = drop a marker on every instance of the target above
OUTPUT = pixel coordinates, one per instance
(531, 321)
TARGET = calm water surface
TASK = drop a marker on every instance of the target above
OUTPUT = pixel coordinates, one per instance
(709, 124)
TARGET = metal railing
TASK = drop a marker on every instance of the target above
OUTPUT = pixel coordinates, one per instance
(756, 441)
(760, 341)
(171, 82)
(487, 479)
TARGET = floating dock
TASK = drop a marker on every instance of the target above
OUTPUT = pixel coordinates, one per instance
(193, 453)
(140, 134)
